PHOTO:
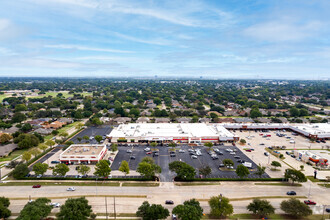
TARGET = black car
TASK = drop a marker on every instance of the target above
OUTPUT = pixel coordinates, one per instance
(219, 153)
(237, 157)
(327, 210)
(132, 157)
(169, 202)
(317, 141)
(221, 165)
(291, 193)
(214, 157)
(240, 161)
(293, 156)
(287, 152)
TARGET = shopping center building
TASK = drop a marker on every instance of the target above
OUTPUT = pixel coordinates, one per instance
(171, 132)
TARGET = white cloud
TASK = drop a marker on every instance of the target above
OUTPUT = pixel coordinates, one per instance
(77, 47)
(280, 31)
(153, 41)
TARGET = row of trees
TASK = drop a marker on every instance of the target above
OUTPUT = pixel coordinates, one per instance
(220, 207)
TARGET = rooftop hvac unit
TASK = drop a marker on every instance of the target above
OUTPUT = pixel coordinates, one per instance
(93, 152)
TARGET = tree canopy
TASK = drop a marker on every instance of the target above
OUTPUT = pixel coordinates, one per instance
(151, 212)
(75, 209)
(182, 170)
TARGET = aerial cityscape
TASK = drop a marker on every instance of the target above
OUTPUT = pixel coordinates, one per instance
(177, 110)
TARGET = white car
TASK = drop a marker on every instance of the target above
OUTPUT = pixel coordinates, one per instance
(232, 153)
(147, 149)
(193, 157)
(181, 151)
(229, 150)
(55, 204)
(129, 151)
(71, 189)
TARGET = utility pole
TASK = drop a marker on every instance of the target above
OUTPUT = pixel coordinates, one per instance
(106, 207)
(114, 207)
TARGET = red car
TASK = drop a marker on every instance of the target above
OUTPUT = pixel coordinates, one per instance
(36, 186)
(149, 152)
(309, 202)
(248, 150)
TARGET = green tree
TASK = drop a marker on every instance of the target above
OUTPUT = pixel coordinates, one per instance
(50, 143)
(148, 168)
(228, 162)
(79, 126)
(18, 117)
(295, 175)
(4, 211)
(26, 156)
(35, 151)
(20, 108)
(26, 127)
(124, 167)
(255, 113)
(295, 208)
(98, 138)
(102, 169)
(135, 112)
(294, 112)
(96, 121)
(42, 147)
(36, 210)
(260, 170)
(79, 139)
(190, 210)
(63, 134)
(25, 141)
(205, 170)
(83, 169)
(114, 147)
(75, 209)
(40, 168)
(5, 138)
(220, 206)
(4, 201)
(55, 132)
(20, 171)
(242, 171)
(182, 170)
(276, 164)
(60, 169)
(242, 141)
(260, 207)
(153, 144)
(209, 145)
(151, 212)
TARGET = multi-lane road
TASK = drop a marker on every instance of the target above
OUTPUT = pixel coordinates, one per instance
(136, 195)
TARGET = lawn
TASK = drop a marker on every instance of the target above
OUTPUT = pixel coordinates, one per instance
(78, 183)
(13, 154)
(141, 184)
(3, 96)
(279, 184)
(196, 183)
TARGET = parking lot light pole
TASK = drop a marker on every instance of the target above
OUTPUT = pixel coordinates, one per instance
(220, 199)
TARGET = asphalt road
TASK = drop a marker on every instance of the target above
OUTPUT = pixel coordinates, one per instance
(158, 195)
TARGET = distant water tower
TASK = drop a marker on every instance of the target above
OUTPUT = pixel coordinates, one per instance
(201, 77)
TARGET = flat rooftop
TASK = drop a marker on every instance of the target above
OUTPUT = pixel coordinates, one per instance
(83, 149)
(170, 130)
(319, 128)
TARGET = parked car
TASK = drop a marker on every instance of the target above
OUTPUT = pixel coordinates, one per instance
(287, 152)
(55, 162)
(266, 153)
(128, 151)
(132, 157)
(327, 210)
(309, 202)
(193, 157)
(219, 153)
(291, 193)
(214, 157)
(232, 153)
(174, 217)
(149, 152)
(156, 154)
(237, 157)
(248, 150)
(147, 149)
(221, 165)
(169, 202)
(240, 161)
(39, 176)
(36, 186)
(71, 189)
(181, 151)
(55, 204)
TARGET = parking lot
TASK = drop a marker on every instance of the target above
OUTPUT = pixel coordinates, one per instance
(164, 159)
(92, 132)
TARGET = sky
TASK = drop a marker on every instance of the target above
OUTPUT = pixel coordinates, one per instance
(249, 39)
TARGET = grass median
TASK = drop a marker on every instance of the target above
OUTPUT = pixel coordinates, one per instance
(279, 184)
(195, 183)
(258, 197)
(61, 184)
(141, 184)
